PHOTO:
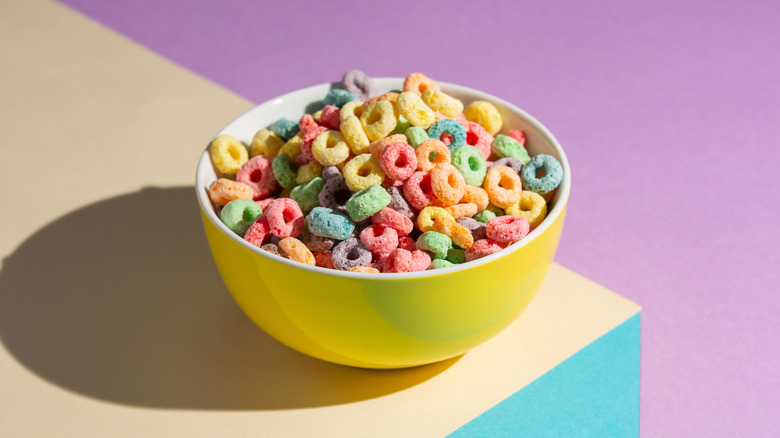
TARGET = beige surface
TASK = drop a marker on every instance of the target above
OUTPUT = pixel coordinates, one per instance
(113, 319)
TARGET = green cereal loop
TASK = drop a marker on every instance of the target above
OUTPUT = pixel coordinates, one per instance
(284, 171)
(401, 126)
(440, 263)
(484, 216)
(396, 90)
(505, 146)
(416, 135)
(239, 215)
(368, 201)
(284, 128)
(434, 243)
(456, 256)
(308, 195)
(470, 163)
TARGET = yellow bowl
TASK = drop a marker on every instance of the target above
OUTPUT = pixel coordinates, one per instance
(383, 320)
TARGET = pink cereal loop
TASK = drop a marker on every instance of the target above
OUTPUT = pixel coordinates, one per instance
(379, 239)
(482, 248)
(393, 219)
(257, 174)
(418, 190)
(285, 218)
(507, 229)
(398, 161)
(399, 260)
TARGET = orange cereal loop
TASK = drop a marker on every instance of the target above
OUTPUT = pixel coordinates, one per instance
(228, 154)
(296, 250)
(432, 146)
(417, 83)
(390, 97)
(224, 190)
(503, 186)
(462, 210)
(475, 195)
(430, 216)
(364, 269)
(376, 147)
(447, 183)
(266, 143)
(459, 234)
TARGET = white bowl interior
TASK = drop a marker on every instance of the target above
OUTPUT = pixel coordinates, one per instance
(293, 105)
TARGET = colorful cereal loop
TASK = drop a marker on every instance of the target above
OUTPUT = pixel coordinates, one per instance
(503, 186)
(308, 172)
(507, 229)
(415, 135)
(417, 83)
(296, 251)
(398, 161)
(531, 206)
(266, 143)
(284, 171)
(359, 83)
(437, 100)
(470, 163)
(447, 183)
(418, 191)
(376, 147)
(449, 127)
(486, 114)
(378, 120)
(354, 134)
(430, 153)
(415, 110)
(354, 108)
(224, 190)
(507, 147)
(475, 195)
(363, 171)
(549, 167)
(330, 148)
(228, 154)
(239, 214)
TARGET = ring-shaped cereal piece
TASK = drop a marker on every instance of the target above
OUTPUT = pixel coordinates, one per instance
(292, 148)
(440, 263)
(354, 108)
(307, 195)
(259, 232)
(479, 138)
(486, 114)
(507, 147)
(325, 222)
(363, 171)
(417, 83)
(267, 143)
(475, 195)
(507, 229)
(513, 163)
(503, 186)
(330, 148)
(398, 202)
(401, 125)
(228, 154)
(284, 171)
(451, 128)
(431, 153)
(239, 214)
(365, 203)
(224, 190)
(430, 216)
(421, 261)
(317, 243)
(459, 234)
(330, 117)
(531, 206)
(308, 172)
(366, 269)
(359, 83)
(415, 135)
(447, 184)
(465, 210)
(413, 109)
(438, 101)
(518, 135)
(295, 250)
(477, 228)
(274, 249)
(418, 190)
(553, 174)
(258, 174)
(482, 248)
(391, 97)
(399, 260)
(350, 253)
(285, 128)
(335, 194)
(435, 243)
(378, 120)
(307, 123)
(338, 97)
(353, 133)
(307, 140)
(393, 219)
(376, 147)
(398, 161)
(470, 163)
(379, 239)
(324, 259)
(285, 218)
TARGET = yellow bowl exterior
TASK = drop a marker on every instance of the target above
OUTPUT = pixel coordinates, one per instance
(383, 323)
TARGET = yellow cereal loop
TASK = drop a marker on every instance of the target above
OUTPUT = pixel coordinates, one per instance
(296, 250)
(378, 120)
(429, 216)
(411, 106)
(353, 108)
(308, 172)
(486, 114)
(530, 206)
(330, 148)
(353, 133)
(363, 171)
(228, 154)
(266, 143)
(437, 100)
(292, 148)
(317, 116)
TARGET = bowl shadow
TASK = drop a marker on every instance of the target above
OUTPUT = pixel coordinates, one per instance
(121, 301)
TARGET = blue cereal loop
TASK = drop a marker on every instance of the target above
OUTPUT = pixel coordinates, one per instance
(553, 174)
(451, 127)
(338, 97)
(284, 128)
(325, 222)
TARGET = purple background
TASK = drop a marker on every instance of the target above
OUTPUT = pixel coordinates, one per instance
(669, 115)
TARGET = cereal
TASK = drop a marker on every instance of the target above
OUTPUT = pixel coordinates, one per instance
(292, 148)
(505, 146)
(335, 193)
(440, 263)
(227, 154)
(518, 135)
(437, 100)
(475, 227)
(486, 114)
(366, 269)
(350, 253)
(366, 202)
(285, 218)
(393, 219)
(482, 248)
(458, 211)
(513, 163)
(350, 109)
(470, 163)
(328, 223)
(379, 239)
(307, 123)
(415, 110)
(259, 232)
(359, 84)
(295, 250)
(284, 171)
(284, 128)
(447, 183)
(308, 139)
(398, 161)
(330, 148)
(273, 249)
(239, 214)
(308, 172)
(378, 120)
(338, 97)
(353, 133)
(430, 153)
(436, 244)
(421, 261)
(417, 83)
(507, 229)
(307, 195)
(399, 203)
(531, 206)
(449, 127)
(484, 216)
(324, 259)
(418, 190)
(475, 195)
(266, 143)
(363, 171)
(224, 190)
(553, 174)
(330, 117)
(331, 172)
(406, 242)
(415, 135)
(401, 125)
(399, 260)
(479, 138)
(503, 186)
(317, 243)
(376, 147)
(258, 174)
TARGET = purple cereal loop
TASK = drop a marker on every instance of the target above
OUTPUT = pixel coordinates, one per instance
(357, 82)
(274, 249)
(317, 243)
(512, 163)
(330, 172)
(335, 194)
(477, 228)
(350, 253)
(399, 203)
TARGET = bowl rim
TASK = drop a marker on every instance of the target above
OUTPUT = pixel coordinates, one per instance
(562, 197)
